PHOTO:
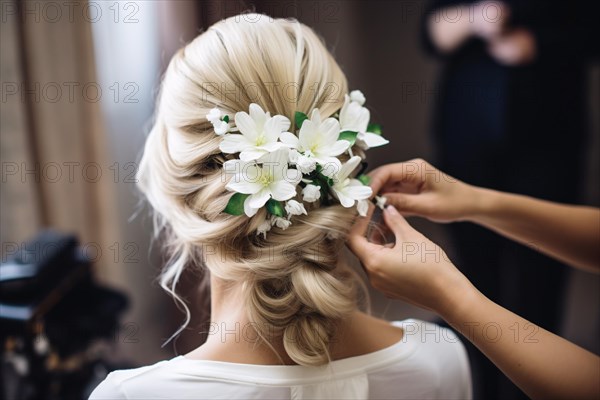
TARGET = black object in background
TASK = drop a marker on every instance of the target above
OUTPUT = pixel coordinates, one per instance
(51, 312)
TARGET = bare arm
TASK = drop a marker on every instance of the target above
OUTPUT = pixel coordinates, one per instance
(542, 364)
(568, 233)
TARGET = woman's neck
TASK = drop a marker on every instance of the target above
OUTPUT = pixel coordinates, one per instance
(231, 336)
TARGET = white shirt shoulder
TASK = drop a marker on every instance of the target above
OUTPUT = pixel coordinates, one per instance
(428, 362)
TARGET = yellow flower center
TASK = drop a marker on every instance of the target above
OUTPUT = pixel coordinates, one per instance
(260, 140)
(265, 178)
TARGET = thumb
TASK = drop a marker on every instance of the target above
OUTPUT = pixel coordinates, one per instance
(396, 222)
(407, 204)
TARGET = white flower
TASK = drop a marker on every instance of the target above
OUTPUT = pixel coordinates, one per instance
(311, 193)
(263, 228)
(292, 207)
(349, 190)
(366, 140)
(381, 200)
(221, 127)
(331, 169)
(271, 180)
(363, 207)
(214, 115)
(354, 117)
(317, 140)
(358, 96)
(304, 164)
(258, 136)
(280, 222)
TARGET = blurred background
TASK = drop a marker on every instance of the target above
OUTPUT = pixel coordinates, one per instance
(79, 81)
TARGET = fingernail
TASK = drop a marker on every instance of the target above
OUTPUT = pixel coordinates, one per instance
(391, 209)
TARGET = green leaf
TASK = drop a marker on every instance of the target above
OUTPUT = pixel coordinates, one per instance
(236, 204)
(324, 193)
(226, 118)
(275, 207)
(364, 179)
(374, 128)
(349, 136)
(300, 117)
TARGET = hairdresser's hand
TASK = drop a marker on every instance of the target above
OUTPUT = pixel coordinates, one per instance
(436, 284)
(415, 269)
(416, 188)
(517, 47)
(488, 19)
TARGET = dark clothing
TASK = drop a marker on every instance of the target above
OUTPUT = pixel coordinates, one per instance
(522, 130)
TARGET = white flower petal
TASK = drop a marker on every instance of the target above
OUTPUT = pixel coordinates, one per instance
(293, 156)
(345, 200)
(234, 143)
(348, 168)
(251, 172)
(276, 163)
(282, 190)
(274, 126)
(239, 185)
(358, 96)
(362, 207)
(354, 117)
(293, 176)
(249, 211)
(247, 126)
(292, 207)
(259, 117)
(289, 139)
(214, 115)
(306, 164)
(357, 190)
(315, 116)
(233, 166)
(252, 153)
(311, 193)
(372, 139)
(364, 116)
(221, 127)
(331, 167)
(308, 135)
(259, 199)
(381, 200)
(329, 131)
(263, 228)
(273, 146)
(281, 223)
(335, 149)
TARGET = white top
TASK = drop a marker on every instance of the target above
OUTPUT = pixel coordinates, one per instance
(429, 362)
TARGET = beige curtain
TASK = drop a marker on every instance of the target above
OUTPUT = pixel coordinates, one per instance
(55, 169)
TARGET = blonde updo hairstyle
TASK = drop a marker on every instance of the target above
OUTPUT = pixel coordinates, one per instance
(293, 287)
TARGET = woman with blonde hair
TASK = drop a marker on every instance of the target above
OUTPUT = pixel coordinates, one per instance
(251, 169)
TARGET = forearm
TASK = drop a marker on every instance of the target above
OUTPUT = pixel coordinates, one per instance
(568, 233)
(542, 364)
(448, 35)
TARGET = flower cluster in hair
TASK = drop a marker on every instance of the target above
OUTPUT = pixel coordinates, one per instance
(281, 170)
